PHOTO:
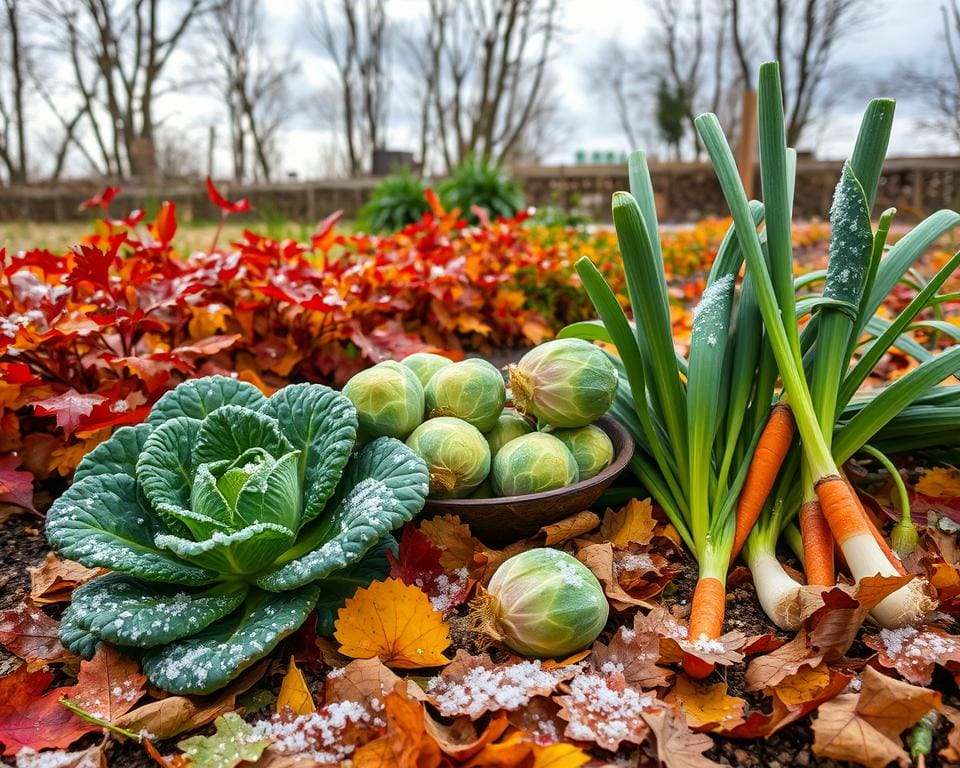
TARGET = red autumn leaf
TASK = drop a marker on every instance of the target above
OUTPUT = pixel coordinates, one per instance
(70, 408)
(16, 486)
(635, 656)
(209, 346)
(240, 206)
(914, 652)
(18, 374)
(28, 633)
(324, 235)
(418, 564)
(93, 266)
(108, 685)
(101, 200)
(31, 718)
(165, 225)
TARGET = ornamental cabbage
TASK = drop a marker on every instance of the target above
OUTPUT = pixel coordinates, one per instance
(225, 519)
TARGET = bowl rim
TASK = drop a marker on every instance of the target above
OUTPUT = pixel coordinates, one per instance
(608, 424)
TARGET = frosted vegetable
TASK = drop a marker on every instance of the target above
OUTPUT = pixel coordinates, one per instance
(456, 453)
(510, 425)
(591, 448)
(542, 602)
(471, 390)
(533, 463)
(564, 383)
(389, 400)
(425, 364)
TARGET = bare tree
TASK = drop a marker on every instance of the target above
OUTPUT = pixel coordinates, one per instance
(621, 81)
(487, 73)
(117, 53)
(357, 40)
(253, 84)
(13, 93)
(940, 90)
(803, 36)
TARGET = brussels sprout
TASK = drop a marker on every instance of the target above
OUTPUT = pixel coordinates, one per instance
(509, 425)
(471, 390)
(389, 400)
(457, 456)
(425, 364)
(533, 463)
(564, 383)
(543, 602)
(590, 446)
(484, 490)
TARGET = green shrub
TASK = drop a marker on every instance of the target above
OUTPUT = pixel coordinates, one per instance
(481, 183)
(396, 201)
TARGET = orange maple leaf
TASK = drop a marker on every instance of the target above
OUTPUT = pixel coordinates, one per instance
(939, 482)
(632, 523)
(395, 622)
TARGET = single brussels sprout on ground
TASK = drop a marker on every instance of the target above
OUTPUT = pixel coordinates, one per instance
(425, 364)
(591, 448)
(456, 453)
(543, 602)
(533, 463)
(510, 425)
(471, 390)
(564, 383)
(389, 400)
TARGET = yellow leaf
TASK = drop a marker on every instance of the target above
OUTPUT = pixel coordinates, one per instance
(395, 622)
(940, 482)
(632, 523)
(570, 527)
(559, 756)
(707, 705)
(294, 692)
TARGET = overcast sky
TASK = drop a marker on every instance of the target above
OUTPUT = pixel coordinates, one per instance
(901, 32)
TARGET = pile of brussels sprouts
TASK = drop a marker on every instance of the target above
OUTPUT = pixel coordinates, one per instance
(455, 416)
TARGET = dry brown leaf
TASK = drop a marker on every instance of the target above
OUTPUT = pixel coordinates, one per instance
(366, 682)
(804, 686)
(55, 580)
(599, 559)
(395, 622)
(108, 685)
(28, 633)
(538, 719)
(632, 523)
(865, 727)
(460, 739)
(939, 482)
(91, 757)
(177, 714)
(294, 692)
(454, 539)
(475, 685)
(634, 655)
(707, 706)
(725, 650)
(569, 528)
(677, 746)
(604, 709)
(914, 652)
(559, 756)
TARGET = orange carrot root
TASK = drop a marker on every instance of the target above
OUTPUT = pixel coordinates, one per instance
(840, 509)
(706, 622)
(817, 545)
(765, 465)
(878, 537)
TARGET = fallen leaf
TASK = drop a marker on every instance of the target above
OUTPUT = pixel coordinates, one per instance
(725, 650)
(939, 482)
(538, 719)
(634, 655)
(395, 622)
(31, 717)
(634, 522)
(70, 408)
(951, 752)
(559, 756)
(707, 706)
(865, 727)
(108, 685)
(28, 633)
(294, 693)
(569, 528)
(418, 564)
(513, 750)
(677, 746)
(367, 682)
(406, 743)
(453, 539)
(604, 709)
(174, 715)
(475, 685)
(91, 757)
(460, 739)
(55, 580)
(232, 743)
(914, 652)
(599, 559)
(803, 686)
(16, 486)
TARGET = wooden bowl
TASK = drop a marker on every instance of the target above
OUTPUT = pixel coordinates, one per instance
(508, 518)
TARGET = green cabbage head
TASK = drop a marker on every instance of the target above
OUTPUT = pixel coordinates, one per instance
(225, 519)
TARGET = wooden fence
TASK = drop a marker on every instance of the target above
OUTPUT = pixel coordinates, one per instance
(685, 192)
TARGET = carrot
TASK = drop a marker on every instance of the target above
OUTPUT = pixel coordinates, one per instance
(817, 545)
(706, 622)
(878, 537)
(767, 459)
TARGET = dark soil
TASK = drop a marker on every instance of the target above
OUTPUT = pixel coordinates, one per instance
(22, 545)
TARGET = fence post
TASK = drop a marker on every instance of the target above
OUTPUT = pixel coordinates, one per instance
(747, 142)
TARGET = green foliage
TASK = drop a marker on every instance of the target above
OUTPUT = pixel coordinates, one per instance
(224, 519)
(672, 108)
(396, 201)
(479, 182)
